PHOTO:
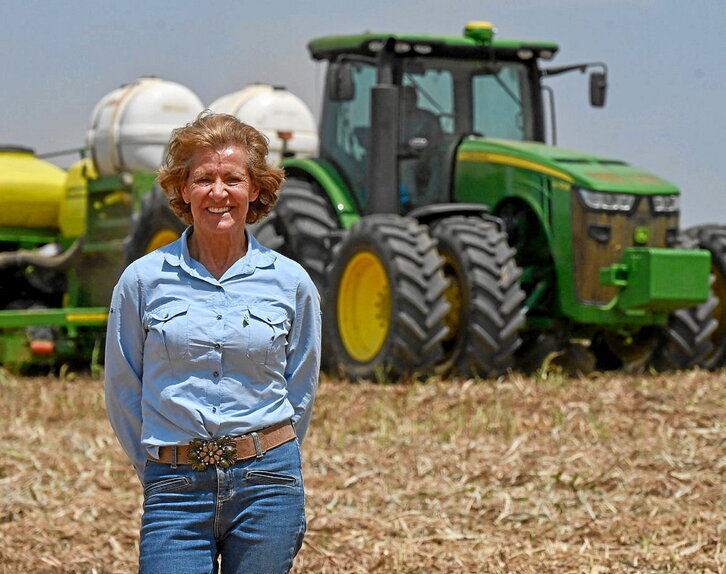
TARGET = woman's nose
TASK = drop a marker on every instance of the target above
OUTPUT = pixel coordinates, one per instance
(218, 189)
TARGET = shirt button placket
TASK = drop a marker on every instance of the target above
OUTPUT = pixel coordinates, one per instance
(217, 347)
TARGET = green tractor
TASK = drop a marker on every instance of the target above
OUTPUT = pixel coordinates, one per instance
(447, 237)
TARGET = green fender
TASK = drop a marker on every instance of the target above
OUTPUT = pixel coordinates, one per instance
(331, 182)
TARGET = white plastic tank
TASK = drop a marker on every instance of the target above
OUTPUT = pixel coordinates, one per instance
(130, 127)
(279, 114)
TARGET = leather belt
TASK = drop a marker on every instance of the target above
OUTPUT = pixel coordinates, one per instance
(225, 451)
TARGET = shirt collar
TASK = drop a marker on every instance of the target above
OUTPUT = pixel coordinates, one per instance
(257, 256)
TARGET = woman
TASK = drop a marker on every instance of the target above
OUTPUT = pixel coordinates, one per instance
(212, 359)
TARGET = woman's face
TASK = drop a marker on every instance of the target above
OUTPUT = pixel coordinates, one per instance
(219, 191)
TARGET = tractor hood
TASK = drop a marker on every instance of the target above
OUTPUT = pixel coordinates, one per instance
(579, 169)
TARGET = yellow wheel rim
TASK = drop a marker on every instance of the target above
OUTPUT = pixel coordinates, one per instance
(161, 238)
(364, 307)
(453, 295)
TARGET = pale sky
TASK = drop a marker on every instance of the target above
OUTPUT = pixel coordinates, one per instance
(665, 109)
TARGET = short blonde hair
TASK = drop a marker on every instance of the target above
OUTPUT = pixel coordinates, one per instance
(216, 132)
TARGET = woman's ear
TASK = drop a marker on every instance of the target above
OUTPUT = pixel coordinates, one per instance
(184, 193)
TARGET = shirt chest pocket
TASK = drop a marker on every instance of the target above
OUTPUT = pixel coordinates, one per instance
(265, 333)
(167, 333)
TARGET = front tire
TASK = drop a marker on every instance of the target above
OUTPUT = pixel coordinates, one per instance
(687, 338)
(385, 302)
(712, 237)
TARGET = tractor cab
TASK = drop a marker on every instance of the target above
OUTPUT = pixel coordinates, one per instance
(440, 91)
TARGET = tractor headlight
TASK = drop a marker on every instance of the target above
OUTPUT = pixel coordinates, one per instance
(665, 203)
(605, 201)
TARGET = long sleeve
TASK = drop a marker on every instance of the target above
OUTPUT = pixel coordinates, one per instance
(123, 368)
(303, 356)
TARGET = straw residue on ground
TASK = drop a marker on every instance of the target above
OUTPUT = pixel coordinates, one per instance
(590, 475)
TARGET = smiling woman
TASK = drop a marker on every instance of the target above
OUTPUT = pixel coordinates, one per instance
(217, 132)
(217, 178)
(218, 191)
(212, 360)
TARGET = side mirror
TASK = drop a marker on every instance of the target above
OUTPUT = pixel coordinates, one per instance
(598, 89)
(340, 82)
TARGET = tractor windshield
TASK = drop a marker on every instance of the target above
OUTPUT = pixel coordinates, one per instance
(469, 96)
(441, 100)
(501, 105)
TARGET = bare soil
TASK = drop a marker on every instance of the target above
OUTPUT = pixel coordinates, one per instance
(599, 474)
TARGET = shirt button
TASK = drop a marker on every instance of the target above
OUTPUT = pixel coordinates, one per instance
(219, 317)
(215, 374)
(217, 346)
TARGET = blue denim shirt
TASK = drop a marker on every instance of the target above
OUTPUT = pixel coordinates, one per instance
(189, 356)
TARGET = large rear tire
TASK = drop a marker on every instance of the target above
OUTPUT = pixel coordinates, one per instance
(713, 238)
(385, 301)
(485, 296)
(300, 227)
(153, 226)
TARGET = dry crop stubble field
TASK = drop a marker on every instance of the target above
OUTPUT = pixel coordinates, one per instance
(605, 473)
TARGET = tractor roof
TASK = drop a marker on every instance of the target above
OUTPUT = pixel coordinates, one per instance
(478, 41)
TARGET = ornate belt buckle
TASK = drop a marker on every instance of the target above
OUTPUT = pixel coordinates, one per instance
(221, 451)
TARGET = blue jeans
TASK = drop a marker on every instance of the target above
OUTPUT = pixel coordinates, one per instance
(252, 515)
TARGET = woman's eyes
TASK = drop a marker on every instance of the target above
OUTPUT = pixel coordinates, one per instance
(228, 181)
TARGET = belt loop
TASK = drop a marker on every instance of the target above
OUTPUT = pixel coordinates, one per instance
(258, 448)
(174, 457)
